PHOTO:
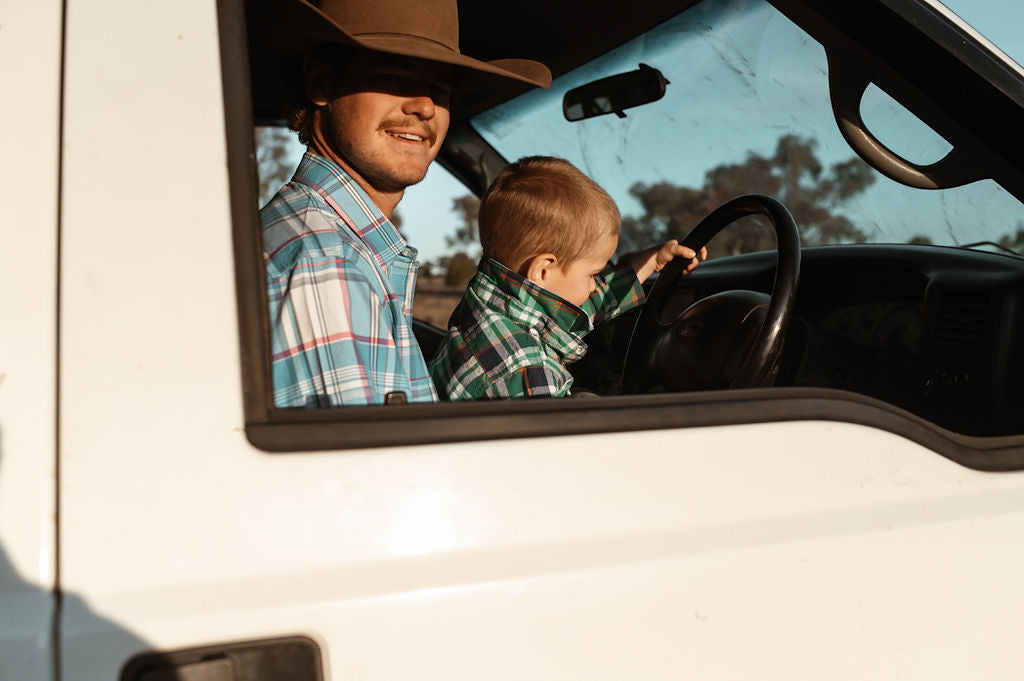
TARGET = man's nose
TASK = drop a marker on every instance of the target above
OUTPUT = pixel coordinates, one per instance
(419, 105)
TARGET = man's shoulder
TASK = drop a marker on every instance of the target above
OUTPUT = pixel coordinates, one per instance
(298, 222)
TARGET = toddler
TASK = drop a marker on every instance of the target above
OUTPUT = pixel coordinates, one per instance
(548, 233)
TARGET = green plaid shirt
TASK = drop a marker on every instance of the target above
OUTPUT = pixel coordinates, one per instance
(511, 338)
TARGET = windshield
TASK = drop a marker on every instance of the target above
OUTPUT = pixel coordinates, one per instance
(995, 23)
(747, 110)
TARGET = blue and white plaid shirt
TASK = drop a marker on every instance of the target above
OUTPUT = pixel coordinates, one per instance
(340, 282)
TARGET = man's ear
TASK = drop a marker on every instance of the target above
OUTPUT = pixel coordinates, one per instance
(316, 76)
(538, 268)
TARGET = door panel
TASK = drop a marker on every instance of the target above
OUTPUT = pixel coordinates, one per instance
(28, 276)
(718, 552)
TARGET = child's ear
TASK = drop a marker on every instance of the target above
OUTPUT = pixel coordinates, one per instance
(538, 268)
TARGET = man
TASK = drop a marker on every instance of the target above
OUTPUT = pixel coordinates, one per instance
(377, 79)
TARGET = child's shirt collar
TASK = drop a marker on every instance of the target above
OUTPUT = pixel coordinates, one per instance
(556, 322)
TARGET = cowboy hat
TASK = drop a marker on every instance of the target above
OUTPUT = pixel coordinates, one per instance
(425, 29)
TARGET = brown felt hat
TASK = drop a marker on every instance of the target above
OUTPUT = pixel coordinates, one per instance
(426, 29)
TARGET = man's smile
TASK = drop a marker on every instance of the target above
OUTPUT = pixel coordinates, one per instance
(406, 136)
(417, 135)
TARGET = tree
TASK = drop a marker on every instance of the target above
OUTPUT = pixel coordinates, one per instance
(793, 174)
(1014, 242)
(459, 266)
(272, 160)
(396, 221)
(459, 269)
(467, 207)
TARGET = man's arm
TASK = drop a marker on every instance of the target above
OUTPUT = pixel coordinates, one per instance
(332, 338)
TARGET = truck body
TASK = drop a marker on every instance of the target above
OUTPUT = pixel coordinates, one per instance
(158, 516)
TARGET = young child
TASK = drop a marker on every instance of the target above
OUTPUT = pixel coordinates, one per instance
(548, 233)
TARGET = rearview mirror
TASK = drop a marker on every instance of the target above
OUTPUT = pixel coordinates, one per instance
(614, 94)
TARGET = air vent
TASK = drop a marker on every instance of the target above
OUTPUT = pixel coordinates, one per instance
(962, 317)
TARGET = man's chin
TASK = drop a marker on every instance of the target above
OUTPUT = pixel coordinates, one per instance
(399, 179)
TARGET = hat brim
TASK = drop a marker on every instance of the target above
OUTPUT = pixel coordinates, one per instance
(316, 28)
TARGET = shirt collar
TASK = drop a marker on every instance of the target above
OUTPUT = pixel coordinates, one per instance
(353, 206)
(560, 324)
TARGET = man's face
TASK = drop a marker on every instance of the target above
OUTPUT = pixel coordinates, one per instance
(386, 116)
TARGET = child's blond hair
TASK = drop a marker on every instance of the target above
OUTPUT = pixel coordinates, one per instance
(542, 204)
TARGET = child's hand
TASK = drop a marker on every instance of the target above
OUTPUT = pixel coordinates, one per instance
(645, 263)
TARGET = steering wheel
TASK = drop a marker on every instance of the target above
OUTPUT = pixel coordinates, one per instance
(731, 339)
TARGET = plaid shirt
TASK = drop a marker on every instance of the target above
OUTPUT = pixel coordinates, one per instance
(340, 283)
(512, 338)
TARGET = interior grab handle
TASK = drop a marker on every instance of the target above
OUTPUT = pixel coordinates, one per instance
(847, 84)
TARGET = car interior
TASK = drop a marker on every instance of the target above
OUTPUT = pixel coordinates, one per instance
(853, 168)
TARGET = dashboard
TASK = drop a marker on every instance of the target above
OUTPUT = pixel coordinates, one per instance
(883, 326)
(936, 331)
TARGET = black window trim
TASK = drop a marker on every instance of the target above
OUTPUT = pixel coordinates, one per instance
(288, 430)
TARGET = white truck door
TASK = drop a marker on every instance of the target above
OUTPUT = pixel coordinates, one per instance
(709, 552)
(29, 136)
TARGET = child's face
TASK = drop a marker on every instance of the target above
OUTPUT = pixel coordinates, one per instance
(575, 282)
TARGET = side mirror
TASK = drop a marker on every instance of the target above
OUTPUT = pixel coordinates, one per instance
(614, 94)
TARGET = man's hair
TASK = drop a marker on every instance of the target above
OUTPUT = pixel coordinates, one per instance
(298, 108)
(542, 204)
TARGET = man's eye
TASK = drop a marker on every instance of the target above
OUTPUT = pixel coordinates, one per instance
(390, 78)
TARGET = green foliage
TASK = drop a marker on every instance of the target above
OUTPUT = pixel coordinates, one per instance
(460, 269)
(467, 207)
(272, 159)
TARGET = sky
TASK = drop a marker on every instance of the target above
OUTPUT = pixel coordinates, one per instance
(1001, 21)
(426, 210)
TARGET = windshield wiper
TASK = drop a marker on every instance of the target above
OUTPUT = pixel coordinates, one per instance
(978, 244)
